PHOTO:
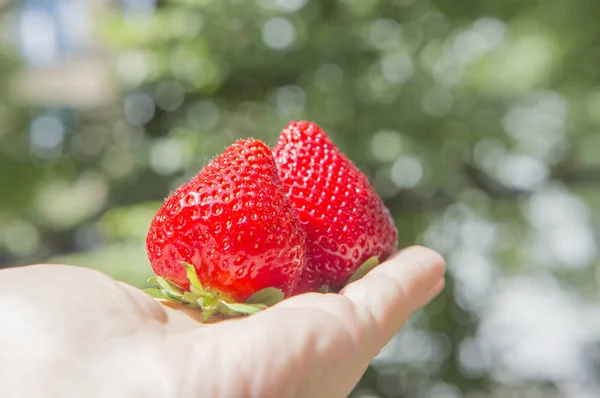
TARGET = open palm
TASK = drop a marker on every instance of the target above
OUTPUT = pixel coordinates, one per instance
(74, 332)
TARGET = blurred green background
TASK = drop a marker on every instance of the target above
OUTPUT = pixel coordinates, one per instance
(477, 121)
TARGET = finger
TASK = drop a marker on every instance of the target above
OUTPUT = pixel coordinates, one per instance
(433, 293)
(391, 292)
(343, 332)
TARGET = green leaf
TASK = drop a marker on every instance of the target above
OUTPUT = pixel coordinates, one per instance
(268, 296)
(226, 311)
(243, 308)
(169, 289)
(207, 314)
(367, 266)
(325, 289)
(211, 302)
(195, 284)
(156, 293)
(191, 299)
(208, 303)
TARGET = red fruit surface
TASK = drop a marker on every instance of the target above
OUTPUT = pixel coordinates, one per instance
(346, 222)
(234, 224)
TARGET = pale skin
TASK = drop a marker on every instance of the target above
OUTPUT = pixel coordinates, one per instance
(73, 332)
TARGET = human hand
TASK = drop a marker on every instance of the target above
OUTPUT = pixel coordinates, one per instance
(74, 332)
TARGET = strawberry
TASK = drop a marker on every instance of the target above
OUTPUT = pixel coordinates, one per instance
(228, 234)
(346, 222)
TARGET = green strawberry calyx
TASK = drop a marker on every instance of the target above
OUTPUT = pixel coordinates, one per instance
(364, 268)
(211, 302)
(360, 272)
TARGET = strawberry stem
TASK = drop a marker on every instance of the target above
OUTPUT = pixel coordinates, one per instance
(209, 301)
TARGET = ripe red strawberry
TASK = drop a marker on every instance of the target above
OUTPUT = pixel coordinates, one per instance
(346, 222)
(235, 225)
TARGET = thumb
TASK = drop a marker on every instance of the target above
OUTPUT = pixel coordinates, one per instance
(376, 306)
(390, 293)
